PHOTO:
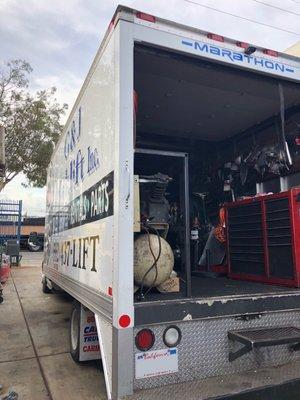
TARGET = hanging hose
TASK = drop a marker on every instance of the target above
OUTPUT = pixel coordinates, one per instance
(159, 254)
(284, 145)
(154, 265)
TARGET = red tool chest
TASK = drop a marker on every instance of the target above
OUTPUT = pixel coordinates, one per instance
(264, 238)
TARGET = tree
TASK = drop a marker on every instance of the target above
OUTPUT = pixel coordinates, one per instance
(31, 121)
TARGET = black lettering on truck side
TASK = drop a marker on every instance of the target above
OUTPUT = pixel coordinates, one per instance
(93, 240)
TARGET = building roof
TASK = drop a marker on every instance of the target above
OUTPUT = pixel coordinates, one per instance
(294, 50)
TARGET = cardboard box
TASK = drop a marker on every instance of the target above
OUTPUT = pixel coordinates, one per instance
(169, 286)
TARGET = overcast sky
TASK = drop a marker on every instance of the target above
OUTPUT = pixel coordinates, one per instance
(59, 38)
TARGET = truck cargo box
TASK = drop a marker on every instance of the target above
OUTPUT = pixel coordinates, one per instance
(172, 123)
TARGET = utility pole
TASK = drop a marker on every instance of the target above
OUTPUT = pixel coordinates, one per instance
(2, 156)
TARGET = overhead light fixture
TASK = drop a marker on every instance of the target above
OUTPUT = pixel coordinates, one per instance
(250, 50)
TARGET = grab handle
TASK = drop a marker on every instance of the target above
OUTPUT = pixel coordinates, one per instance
(128, 185)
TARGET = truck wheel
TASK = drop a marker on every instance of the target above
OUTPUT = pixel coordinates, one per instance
(34, 247)
(75, 331)
(45, 287)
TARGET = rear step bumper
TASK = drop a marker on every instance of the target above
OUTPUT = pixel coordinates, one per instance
(286, 391)
(276, 383)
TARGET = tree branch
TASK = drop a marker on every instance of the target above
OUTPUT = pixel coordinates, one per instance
(10, 176)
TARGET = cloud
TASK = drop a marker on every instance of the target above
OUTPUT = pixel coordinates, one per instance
(68, 86)
(33, 198)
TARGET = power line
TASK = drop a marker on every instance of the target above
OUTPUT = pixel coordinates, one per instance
(277, 8)
(244, 18)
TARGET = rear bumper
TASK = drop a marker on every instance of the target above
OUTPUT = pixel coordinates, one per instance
(285, 391)
(276, 383)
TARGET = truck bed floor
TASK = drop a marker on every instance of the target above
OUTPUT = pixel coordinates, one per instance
(221, 286)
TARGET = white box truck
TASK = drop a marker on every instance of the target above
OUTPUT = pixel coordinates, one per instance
(171, 123)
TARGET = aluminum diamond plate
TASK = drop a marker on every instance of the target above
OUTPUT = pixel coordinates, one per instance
(203, 351)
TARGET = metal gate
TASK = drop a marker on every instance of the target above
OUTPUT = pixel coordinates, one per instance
(10, 220)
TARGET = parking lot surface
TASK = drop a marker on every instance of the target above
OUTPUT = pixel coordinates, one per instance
(35, 361)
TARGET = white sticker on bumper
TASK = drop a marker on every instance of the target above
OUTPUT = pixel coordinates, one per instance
(156, 362)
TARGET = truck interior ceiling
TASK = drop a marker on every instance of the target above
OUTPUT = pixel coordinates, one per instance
(207, 137)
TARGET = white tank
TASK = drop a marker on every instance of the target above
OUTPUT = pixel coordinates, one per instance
(143, 260)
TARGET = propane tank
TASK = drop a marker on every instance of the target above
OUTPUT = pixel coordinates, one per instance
(143, 260)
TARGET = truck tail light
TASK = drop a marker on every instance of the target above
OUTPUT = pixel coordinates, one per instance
(172, 336)
(144, 339)
(213, 36)
(145, 17)
(243, 45)
(111, 24)
(272, 53)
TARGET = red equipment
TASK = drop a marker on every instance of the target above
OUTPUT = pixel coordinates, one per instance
(264, 238)
(4, 268)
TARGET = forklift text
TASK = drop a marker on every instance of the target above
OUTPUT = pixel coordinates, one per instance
(80, 253)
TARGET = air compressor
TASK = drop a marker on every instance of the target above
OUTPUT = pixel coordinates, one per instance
(153, 255)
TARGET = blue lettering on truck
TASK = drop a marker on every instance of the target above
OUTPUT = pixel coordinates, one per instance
(234, 56)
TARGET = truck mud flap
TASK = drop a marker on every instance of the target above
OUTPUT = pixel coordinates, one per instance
(104, 329)
(89, 342)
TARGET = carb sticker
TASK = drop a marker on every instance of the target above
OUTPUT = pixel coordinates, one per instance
(90, 349)
(156, 363)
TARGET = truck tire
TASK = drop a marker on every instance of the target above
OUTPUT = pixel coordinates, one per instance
(75, 331)
(45, 287)
(34, 248)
